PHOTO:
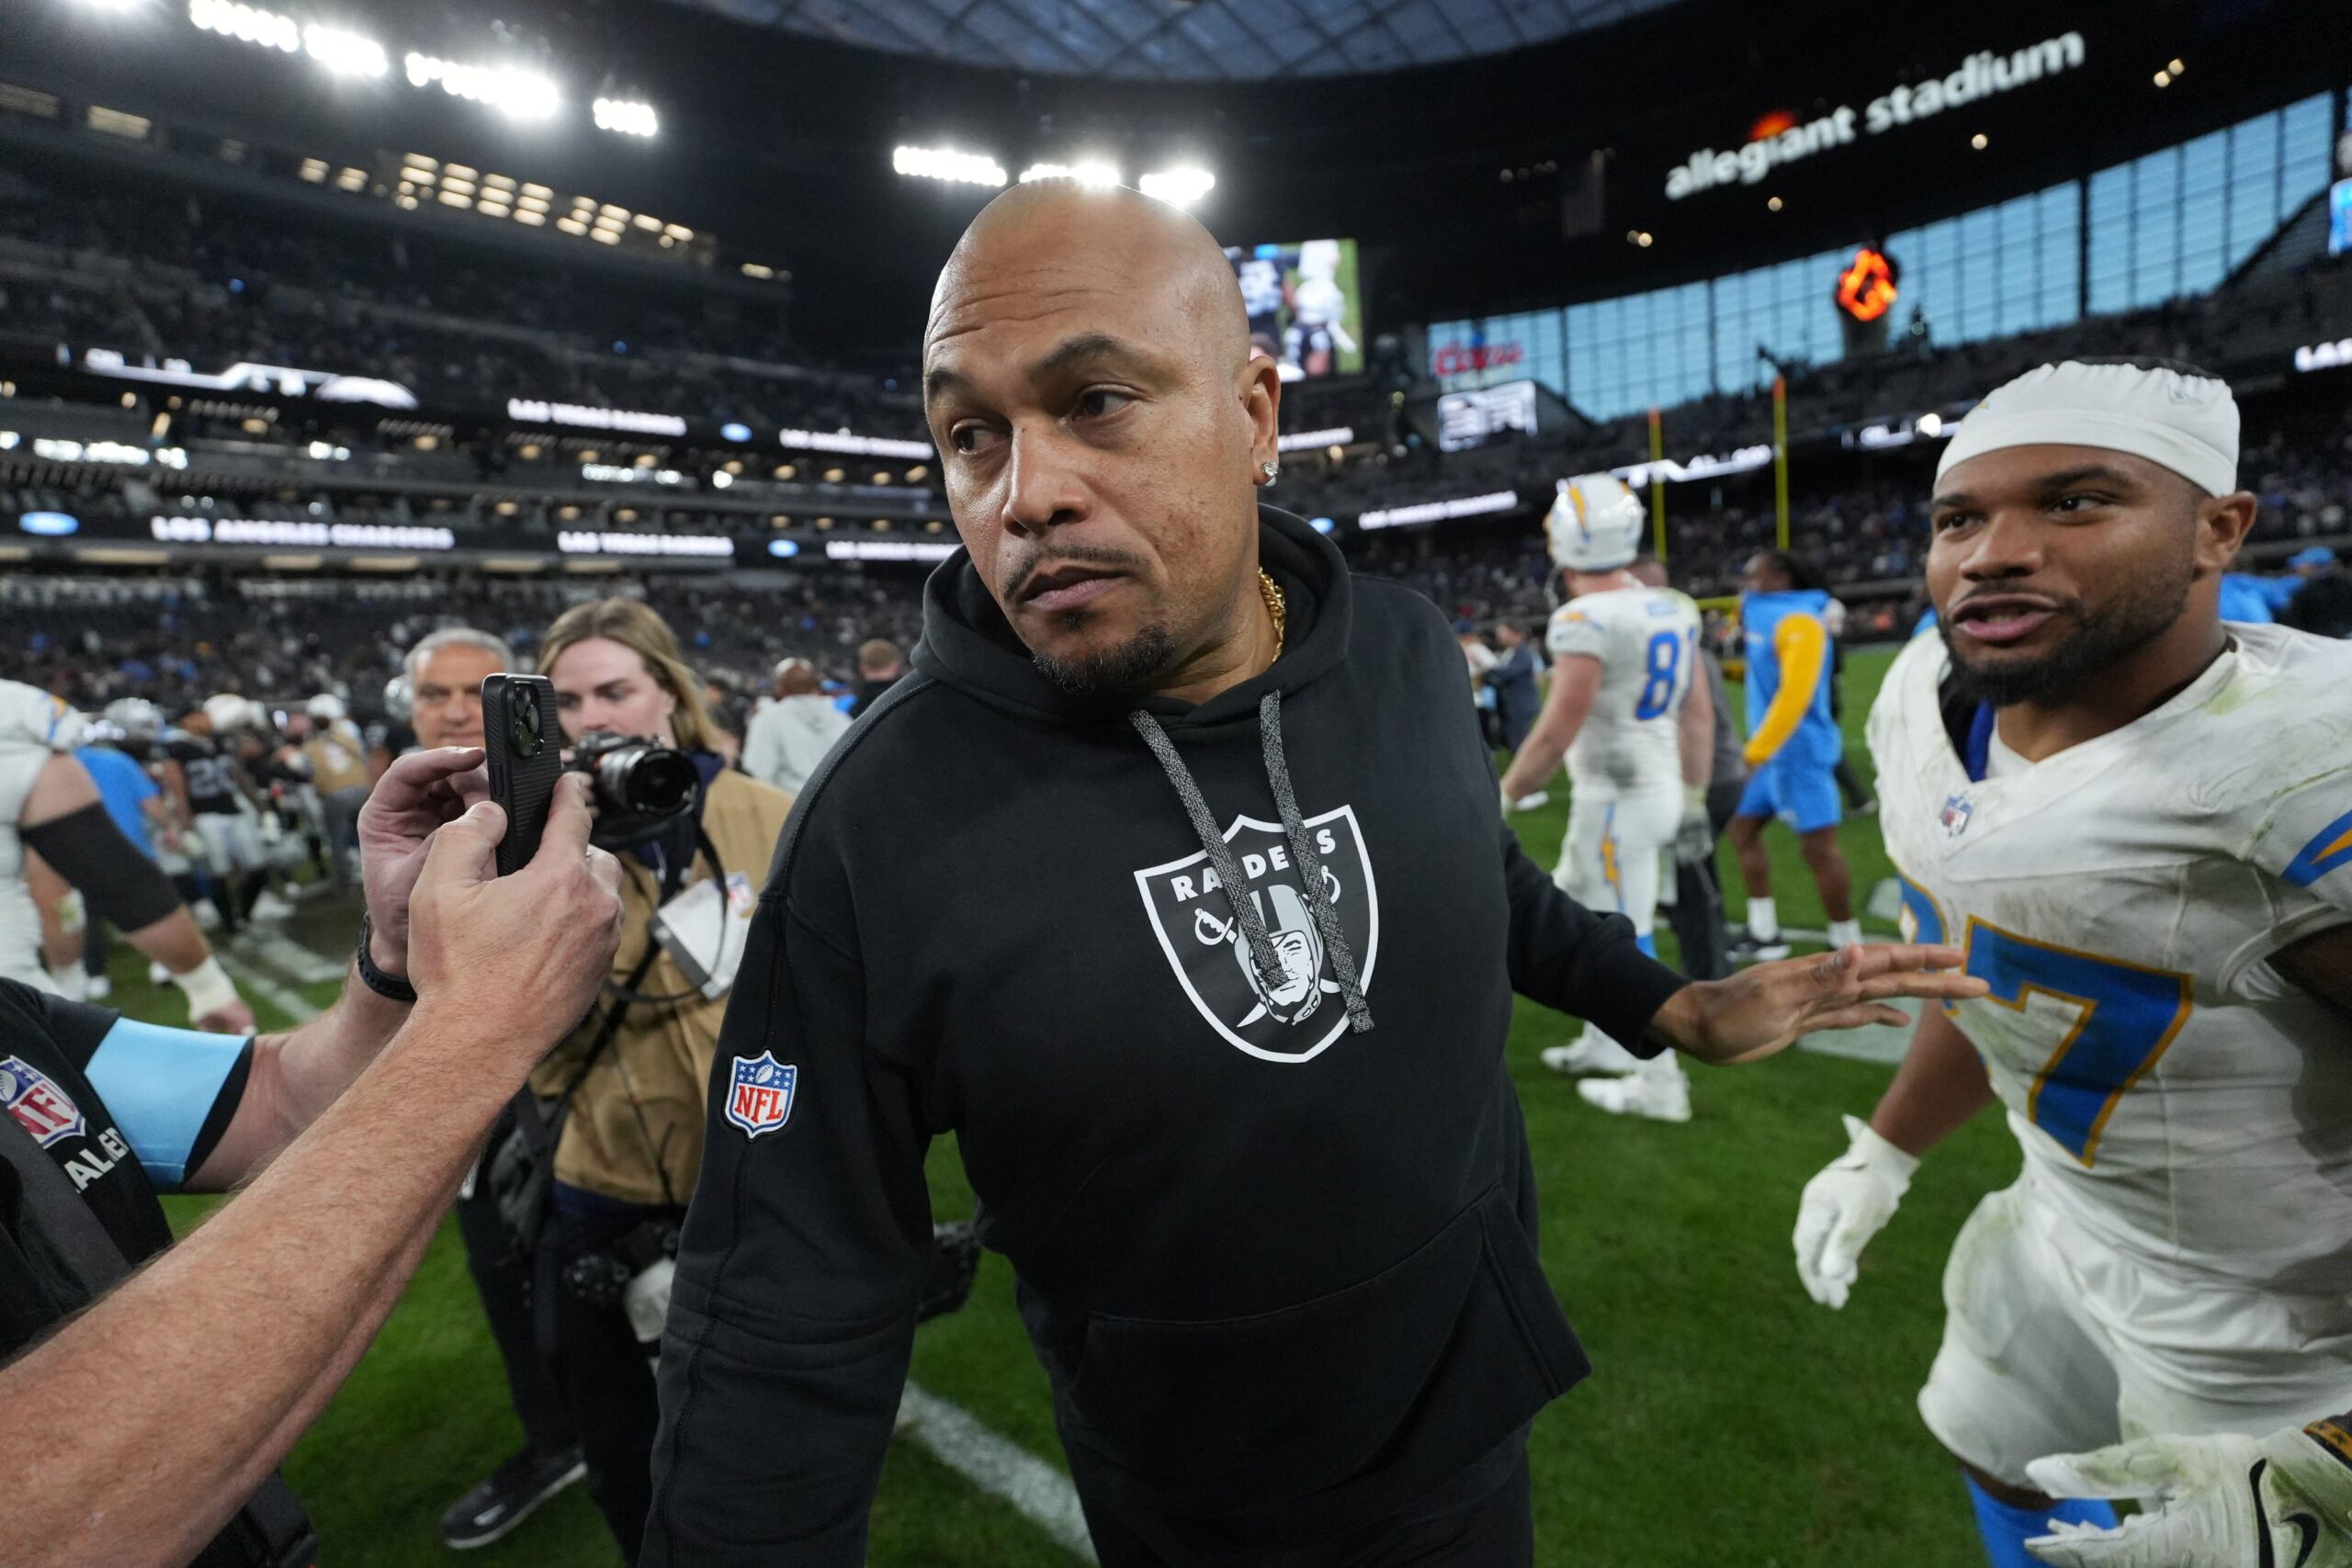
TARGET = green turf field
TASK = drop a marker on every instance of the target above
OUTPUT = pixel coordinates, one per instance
(1729, 1421)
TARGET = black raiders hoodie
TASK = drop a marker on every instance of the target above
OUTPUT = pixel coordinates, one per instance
(1256, 1162)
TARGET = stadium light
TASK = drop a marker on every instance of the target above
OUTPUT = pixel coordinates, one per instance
(946, 163)
(345, 53)
(517, 93)
(249, 23)
(1095, 173)
(1179, 186)
(627, 116)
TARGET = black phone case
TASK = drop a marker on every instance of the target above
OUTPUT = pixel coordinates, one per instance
(526, 746)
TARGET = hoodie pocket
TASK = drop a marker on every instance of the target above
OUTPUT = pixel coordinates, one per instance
(1220, 1416)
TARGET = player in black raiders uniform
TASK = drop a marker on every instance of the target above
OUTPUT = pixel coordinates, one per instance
(211, 791)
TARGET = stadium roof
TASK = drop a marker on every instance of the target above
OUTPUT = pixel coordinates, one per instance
(1174, 40)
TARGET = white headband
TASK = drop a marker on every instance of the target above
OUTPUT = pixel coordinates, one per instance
(2187, 424)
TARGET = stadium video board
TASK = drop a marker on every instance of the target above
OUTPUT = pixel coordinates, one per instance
(1305, 307)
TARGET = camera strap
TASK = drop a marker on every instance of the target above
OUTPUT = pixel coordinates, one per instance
(706, 929)
(674, 878)
(540, 1122)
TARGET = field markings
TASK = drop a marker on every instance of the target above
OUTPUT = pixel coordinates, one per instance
(258, 961)
(1878, 1043)
(302, 965)
(1037, 1490)
(296, 1009)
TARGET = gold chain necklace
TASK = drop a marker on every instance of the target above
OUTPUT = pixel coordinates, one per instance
(1277, 608)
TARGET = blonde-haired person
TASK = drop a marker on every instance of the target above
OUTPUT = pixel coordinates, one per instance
(631, 1080)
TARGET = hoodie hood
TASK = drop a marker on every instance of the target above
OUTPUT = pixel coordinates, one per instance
(967, 643)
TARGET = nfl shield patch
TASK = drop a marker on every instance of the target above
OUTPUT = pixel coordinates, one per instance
(1956, 814)
(40, 1106)
(759, 1093)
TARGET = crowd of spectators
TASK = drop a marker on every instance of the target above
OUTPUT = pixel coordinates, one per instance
(179, 639)
(204, 282)
(200, 280)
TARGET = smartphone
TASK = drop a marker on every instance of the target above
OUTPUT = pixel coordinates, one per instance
(526, 746)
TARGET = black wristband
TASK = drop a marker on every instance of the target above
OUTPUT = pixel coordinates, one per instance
(390, 987)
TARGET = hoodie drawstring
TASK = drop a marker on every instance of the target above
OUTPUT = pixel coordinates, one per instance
(1309, 863)
(1228, 871)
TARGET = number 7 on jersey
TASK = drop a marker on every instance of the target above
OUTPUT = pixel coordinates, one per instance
(2129, 1016)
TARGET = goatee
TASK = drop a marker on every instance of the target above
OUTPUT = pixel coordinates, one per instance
(2100, 640)
(1125, 668)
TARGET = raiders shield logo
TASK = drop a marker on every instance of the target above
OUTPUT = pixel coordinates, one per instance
(1193, 914)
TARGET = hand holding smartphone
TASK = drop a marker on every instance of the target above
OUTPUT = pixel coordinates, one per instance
(525, 743)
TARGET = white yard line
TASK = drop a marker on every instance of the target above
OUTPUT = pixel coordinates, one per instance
(297, 963)
(291, 1003)
(1872, 1042)
(1039, 1492)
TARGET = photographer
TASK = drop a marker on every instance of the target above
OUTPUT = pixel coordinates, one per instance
(146, 1413)
(627, 1089)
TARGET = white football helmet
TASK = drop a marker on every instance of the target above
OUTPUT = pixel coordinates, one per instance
(326, 709)
(228, 711)
(399, 698)
(136, 717)
(1595, 523)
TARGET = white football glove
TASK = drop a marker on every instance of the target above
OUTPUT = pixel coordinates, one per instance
(2284, 1500)
(1843, 1207)
(1694, 840)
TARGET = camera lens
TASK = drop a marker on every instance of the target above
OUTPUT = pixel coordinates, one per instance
(661, 781)
(526, 725)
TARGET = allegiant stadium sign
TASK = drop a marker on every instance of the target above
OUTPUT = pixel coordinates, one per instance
(1780, 138)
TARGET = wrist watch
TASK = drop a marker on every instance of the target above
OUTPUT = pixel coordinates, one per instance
(392, 987)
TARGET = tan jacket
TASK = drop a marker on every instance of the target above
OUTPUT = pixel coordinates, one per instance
(664, 1051)
(338, 759)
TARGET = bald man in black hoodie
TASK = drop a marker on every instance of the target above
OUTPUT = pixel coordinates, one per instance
(1172, 882)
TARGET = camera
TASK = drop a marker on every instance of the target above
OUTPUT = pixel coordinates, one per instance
(635, 776)
(528, 733)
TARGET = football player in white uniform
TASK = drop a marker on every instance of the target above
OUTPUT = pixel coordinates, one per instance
(1638, 754)
(49, 803)
(2137, 820)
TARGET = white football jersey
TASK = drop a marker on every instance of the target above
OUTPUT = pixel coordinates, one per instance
(34, 727)
(2177, 1100)
(1646, 639)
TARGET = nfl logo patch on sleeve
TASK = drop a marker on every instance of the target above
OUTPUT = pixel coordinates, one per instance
(759, 1093)
(40, 1106)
